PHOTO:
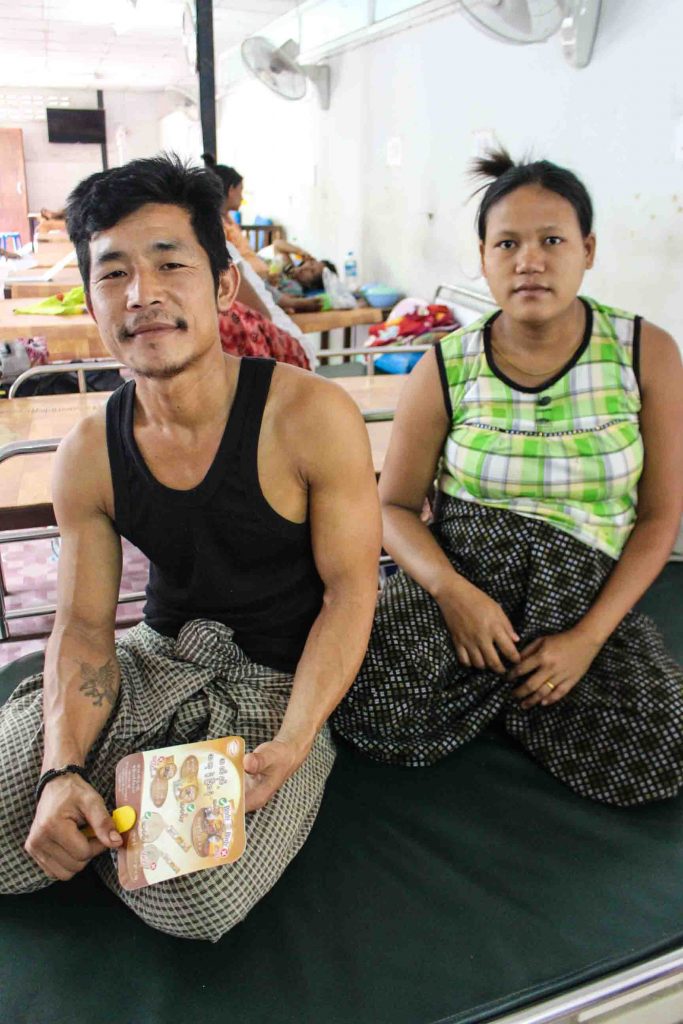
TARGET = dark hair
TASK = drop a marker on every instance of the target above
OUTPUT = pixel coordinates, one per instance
(230, 178)
(318, 282)
(105, 198)
(508, 176)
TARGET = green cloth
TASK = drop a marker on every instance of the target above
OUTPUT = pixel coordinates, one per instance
(71, 303)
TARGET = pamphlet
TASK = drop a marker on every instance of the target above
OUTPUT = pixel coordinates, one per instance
(189, 805)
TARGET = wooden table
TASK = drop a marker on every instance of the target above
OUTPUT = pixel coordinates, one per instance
(49, 253)
(333, 319)
(52, 236)
(68, 337)
(25, 492)
(24, 290)
(25, 481)
(77, 337)
(374, 394)
(380, 434)
(309, 323)
(25, 495)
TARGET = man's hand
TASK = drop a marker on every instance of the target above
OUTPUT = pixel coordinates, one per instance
(480, 629)
(55, 841)
(267, 767)
(560, 660)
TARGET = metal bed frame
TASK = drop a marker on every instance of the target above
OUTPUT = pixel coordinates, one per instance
(591, 1001)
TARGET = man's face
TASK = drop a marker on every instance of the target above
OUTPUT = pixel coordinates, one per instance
(152, 292)
(309, 273)
(535, 256)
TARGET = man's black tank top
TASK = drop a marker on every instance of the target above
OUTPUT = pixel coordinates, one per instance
(218, 551)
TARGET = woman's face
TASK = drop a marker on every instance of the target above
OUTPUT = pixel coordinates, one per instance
(233, 198)
(534, 255)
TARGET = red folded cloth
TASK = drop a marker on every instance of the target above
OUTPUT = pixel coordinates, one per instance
(423, 320)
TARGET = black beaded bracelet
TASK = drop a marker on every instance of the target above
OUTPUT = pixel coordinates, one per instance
(54, 773)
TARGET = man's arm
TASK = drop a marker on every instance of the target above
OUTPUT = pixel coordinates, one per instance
(81, 678)
(346, 535)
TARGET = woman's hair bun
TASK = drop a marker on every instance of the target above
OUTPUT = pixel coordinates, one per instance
(504, 176)
(209, 159)
(493, 164)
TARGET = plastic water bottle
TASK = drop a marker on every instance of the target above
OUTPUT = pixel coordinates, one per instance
(351, 271)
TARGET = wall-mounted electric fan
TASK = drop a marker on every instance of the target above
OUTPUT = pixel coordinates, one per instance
(533, 21)
(277, 68)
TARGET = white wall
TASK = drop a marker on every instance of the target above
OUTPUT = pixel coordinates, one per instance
(52, 169)
(325, 174)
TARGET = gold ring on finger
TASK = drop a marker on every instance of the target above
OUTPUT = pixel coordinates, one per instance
(551, 685)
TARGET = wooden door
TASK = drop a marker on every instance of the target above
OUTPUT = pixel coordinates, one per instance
(13, 200)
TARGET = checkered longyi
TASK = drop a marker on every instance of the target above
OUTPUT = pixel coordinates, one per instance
(199, 686)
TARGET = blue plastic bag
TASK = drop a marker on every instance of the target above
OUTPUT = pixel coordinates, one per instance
(398, 362)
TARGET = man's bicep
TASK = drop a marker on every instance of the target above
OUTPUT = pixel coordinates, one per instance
(90, 554)
(344, 505)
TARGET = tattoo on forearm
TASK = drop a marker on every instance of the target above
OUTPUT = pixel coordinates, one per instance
(99, 684)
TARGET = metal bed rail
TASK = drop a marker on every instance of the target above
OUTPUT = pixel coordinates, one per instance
(46, 275)
(9, 451)
(370, 354)
(464, 296)
(81, 367)
(598, 995)
(12, 448)
(78, 366)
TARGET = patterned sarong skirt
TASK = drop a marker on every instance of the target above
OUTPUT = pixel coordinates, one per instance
(198, 686)
(616, 737)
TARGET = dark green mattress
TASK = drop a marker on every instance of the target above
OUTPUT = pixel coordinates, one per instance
(444, 894)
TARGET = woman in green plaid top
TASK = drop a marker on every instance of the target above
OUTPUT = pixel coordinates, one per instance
(554, 429)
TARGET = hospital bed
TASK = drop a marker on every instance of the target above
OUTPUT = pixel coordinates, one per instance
(478, 890)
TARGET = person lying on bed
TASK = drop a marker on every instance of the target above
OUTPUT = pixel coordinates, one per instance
(293, 273)
(554, 428)
(250, 487)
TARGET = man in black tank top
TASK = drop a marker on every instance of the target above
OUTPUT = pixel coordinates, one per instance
(250, 487)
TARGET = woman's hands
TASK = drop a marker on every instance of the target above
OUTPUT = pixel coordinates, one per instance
(553, 666)
(483, 636)
(480, 629)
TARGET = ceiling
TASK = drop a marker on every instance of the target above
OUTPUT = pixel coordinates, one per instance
(114, 44)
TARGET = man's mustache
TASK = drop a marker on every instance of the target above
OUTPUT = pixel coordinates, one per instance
(124, 334)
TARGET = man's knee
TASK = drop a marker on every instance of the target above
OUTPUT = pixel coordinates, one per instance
(19, 873)
(195, 906)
